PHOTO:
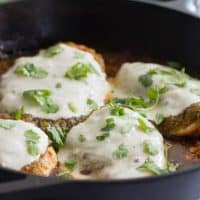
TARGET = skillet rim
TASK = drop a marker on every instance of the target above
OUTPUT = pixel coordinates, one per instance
(191, 169)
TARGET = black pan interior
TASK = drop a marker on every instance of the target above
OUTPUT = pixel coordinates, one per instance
(127, 29)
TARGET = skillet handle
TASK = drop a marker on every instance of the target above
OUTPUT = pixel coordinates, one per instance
(186, 6)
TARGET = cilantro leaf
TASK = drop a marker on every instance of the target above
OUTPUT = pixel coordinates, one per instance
(120, 152)
(6, 124)
(58, 85)
(42, 97)
(110, 124)
(32, 139)
(72, 107)
(53, 50)
(57, 135)
(116, 109)
(92, 103)
(82, 138)
(146, 80)
(102, 137)
(18, 113)
(30, 70)
(70, 164)
(143, 126)
(174, 64)
(126, 129)
(149, 148)
(80, 71)
(150, 166)
(159, 118)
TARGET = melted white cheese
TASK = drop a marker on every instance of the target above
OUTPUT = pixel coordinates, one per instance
(13, 147)
(171, 103)
(102, 151)
(76, 92)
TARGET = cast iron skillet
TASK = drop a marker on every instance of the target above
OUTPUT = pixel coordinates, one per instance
(109, 26)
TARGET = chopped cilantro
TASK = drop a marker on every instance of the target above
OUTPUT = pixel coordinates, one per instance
(149, 148)
(146, 80)
(121, 152)
(159, 118)
(102, 137)
(80, 71)
(82, 138)
(18, 113)
(70, 164)
(195, 91)
(30, 70)
(53, 50)
(57, 135)
(116, 109)
(58, 85)
(126, 129)
(151, 167)
(72, 107)
(6, 124)
(174, 64)
(110, 124)
(78, 54)
(42, 97)
(92, 103)
(32, 139)
(143, 126)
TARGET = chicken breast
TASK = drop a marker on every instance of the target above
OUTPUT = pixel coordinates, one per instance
(63, 81)
(161, 93)
(45, 166)
(112, 143)
(186, 124)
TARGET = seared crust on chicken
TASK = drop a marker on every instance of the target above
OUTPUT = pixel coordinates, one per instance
(45, 165)
(186, 124)
(44, 123)
(98, 57)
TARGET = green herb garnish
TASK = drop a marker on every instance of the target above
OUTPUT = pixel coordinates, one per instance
(116, 109)
(178, 78)
(57, 135)
(41, 97)
(72, 107)
(82, 138)
(63, 174)
(126, 129)
(110, 124)
(78, 54)
(195, 91)
(102, 137)
(32, 139)
(58, 85)
(53, 50)
(174, 64)
(92, 104)
(18, 113)
(146, 80)
(121, 152)
(30, 70)
(171, 167)
(159, 118)
(6, 124)
(149, 148)
(143, 126)
(150, 166)
(70, 164)
(138, 103)
(80, 71)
